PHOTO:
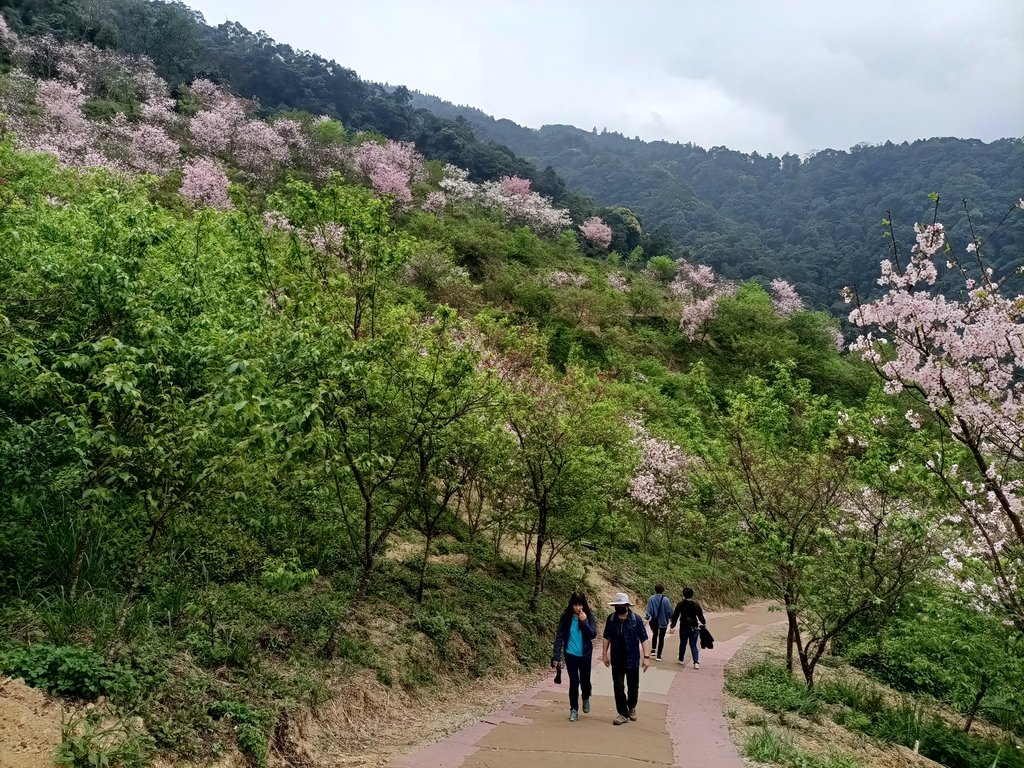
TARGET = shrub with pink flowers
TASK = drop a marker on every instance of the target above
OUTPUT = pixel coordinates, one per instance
(596, 232)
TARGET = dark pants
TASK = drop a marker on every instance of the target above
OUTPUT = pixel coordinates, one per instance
(622, 680)
(657, 639)
(689, 636)
(578, 668)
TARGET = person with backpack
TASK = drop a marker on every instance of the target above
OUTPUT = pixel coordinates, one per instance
(626, 652)
(659, 610)
(577, 629)
(691, 619)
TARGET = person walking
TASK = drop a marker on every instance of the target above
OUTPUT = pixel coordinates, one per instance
(659, 610)
(691, 619)
(577, 629)
(625, 651)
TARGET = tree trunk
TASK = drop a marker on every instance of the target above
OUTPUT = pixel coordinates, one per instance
(133, 588)
(975, 706)
(793, 630)
(789, 649)
(331, 647)
(76, 564)
(423, 569)
(542, 529)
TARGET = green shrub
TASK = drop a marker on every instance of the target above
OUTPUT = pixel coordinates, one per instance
(285, 574)
(768, 746)
(88, 743)
(855, 694)
(250, 728)
(70, 671)
(774, 688)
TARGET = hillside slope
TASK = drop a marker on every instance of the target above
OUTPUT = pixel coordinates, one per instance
(815, 221)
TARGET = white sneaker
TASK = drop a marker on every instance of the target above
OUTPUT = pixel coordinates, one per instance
(696, 665)
(682, 663)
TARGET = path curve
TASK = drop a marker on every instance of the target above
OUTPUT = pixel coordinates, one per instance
(681, 722)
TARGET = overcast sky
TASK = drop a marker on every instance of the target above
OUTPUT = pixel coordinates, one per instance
(767, 75)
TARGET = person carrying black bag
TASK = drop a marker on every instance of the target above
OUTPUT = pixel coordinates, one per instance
(691, 620)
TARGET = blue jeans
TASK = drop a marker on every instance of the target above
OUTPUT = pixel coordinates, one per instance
(578, 668)
(657, 638)
(691, 636)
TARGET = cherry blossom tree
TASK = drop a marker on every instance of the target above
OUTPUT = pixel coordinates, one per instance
(223, 129)
(456, 186)
(659, 481)
(785, 298)
(562, 279)
(523, 206)
(699, 288)
(391, 168)
(206, 184)
(962, 358)
(8, 38)
(618, 282)
(597, 232)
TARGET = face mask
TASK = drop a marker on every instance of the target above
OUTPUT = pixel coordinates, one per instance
(621, 609)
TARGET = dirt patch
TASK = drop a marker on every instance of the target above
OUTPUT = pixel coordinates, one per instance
(367, 725)
(29, 726)
(821, 736)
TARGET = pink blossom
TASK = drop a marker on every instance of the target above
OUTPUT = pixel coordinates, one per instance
(618, 282)
(224, 130)
(328, 238)
(785, 298)
(522, 206)
(561, 279)
(205, 183)
(8, 39)
(964, 358)
(276, 220)
(391, 168)
(147, 148)
(700, 289)
(597, 232)
(435, 203)
(514, 186)
(661, 476)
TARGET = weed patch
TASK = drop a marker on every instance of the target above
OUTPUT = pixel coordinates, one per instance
(773, 688)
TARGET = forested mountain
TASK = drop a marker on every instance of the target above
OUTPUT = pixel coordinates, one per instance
(815, 221)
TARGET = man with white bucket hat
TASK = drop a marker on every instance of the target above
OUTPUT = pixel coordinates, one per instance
(625, 651)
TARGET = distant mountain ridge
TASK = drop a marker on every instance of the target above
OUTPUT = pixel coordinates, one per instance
(815, 221)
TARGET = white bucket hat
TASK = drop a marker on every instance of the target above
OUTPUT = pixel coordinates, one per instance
(621, 598)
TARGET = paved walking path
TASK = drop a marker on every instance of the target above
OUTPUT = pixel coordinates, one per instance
(680, 719)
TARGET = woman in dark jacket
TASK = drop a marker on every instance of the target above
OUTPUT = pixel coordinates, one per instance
(576, 632)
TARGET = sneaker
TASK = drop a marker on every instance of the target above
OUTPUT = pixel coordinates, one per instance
(658, 659)
(586, 706)
(574, 715)
(683, 663)
(620, 719)
(632, 713)
(696, 665)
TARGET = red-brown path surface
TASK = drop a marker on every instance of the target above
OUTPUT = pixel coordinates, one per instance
(680, 723)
